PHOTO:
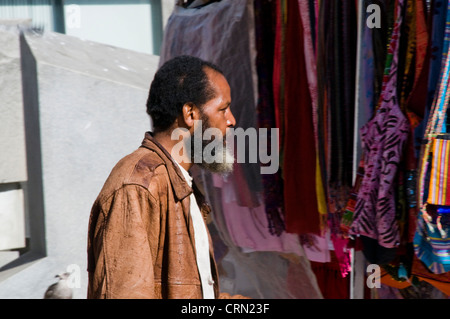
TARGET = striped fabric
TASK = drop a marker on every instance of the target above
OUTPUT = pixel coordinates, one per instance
(431, 240)
(438, 193)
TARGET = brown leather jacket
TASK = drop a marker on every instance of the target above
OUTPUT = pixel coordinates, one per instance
(141, 237)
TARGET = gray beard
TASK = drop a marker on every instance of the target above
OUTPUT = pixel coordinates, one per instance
(224, 166)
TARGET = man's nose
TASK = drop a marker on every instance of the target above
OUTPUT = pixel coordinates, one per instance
(231, 121)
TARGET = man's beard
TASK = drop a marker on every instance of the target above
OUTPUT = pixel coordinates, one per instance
(222, 166)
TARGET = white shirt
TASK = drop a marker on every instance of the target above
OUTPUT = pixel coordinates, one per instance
(201, 243)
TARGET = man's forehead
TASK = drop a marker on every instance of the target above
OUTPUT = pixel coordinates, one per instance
(213, 74)
(218, 80)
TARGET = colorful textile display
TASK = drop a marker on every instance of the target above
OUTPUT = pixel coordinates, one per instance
(351, 101)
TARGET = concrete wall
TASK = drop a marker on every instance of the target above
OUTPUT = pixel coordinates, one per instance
(82, 109)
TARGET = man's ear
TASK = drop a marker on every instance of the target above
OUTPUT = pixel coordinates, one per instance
(189, 113)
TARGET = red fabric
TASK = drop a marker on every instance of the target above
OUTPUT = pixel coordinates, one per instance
(299, 164)
(330, 281)
(418, 96)
(277, 63)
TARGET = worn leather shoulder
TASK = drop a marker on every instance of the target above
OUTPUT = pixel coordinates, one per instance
(146, 168)
(137, 168)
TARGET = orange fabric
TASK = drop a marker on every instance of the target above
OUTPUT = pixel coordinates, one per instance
(386, 279)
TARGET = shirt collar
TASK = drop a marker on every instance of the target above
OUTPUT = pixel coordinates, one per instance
(186, 174)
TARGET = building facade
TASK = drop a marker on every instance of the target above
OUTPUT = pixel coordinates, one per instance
(131, 24)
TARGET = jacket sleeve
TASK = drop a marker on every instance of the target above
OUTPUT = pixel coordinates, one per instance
(226, 295)
(125, 251)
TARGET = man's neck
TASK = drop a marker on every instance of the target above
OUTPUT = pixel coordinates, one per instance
(166, 141)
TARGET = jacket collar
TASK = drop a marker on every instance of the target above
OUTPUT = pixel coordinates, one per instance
(180, 187)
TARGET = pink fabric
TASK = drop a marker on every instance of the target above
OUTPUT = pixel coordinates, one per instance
(317, 248)
(310, 60)
(248, 227)
(383, 139)
(342, 255)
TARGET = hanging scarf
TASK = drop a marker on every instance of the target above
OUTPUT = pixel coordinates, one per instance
(307, 12)
(336, 61)
(278, 72)
(439, 14)
(265, 38)
(299, 163)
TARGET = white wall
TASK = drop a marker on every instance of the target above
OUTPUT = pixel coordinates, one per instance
(84, 109)
(126, 24)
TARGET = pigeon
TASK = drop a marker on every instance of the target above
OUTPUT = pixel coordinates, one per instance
(60, 289)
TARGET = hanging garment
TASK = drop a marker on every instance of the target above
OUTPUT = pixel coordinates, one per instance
(380, 42)
(321, 69)
(412, 99)
(221, 32)
(330, 280)
(438, 14)
(416, 100)
(248, 226)
(432, 239)
(278, 71)
(366, 103)
(383, 138)
(417, 103)
(341, 61)
(334, 121)
(265, 21)
(365, 107)
(406, 52)
(336, 65)
(299, 165)
(307, 14)
(316, 248)
(422, 273)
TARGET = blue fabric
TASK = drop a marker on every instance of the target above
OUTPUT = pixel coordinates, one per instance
(439, 11)
(431, 248)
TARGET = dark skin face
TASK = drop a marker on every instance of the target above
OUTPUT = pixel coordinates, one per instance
(217, 111)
